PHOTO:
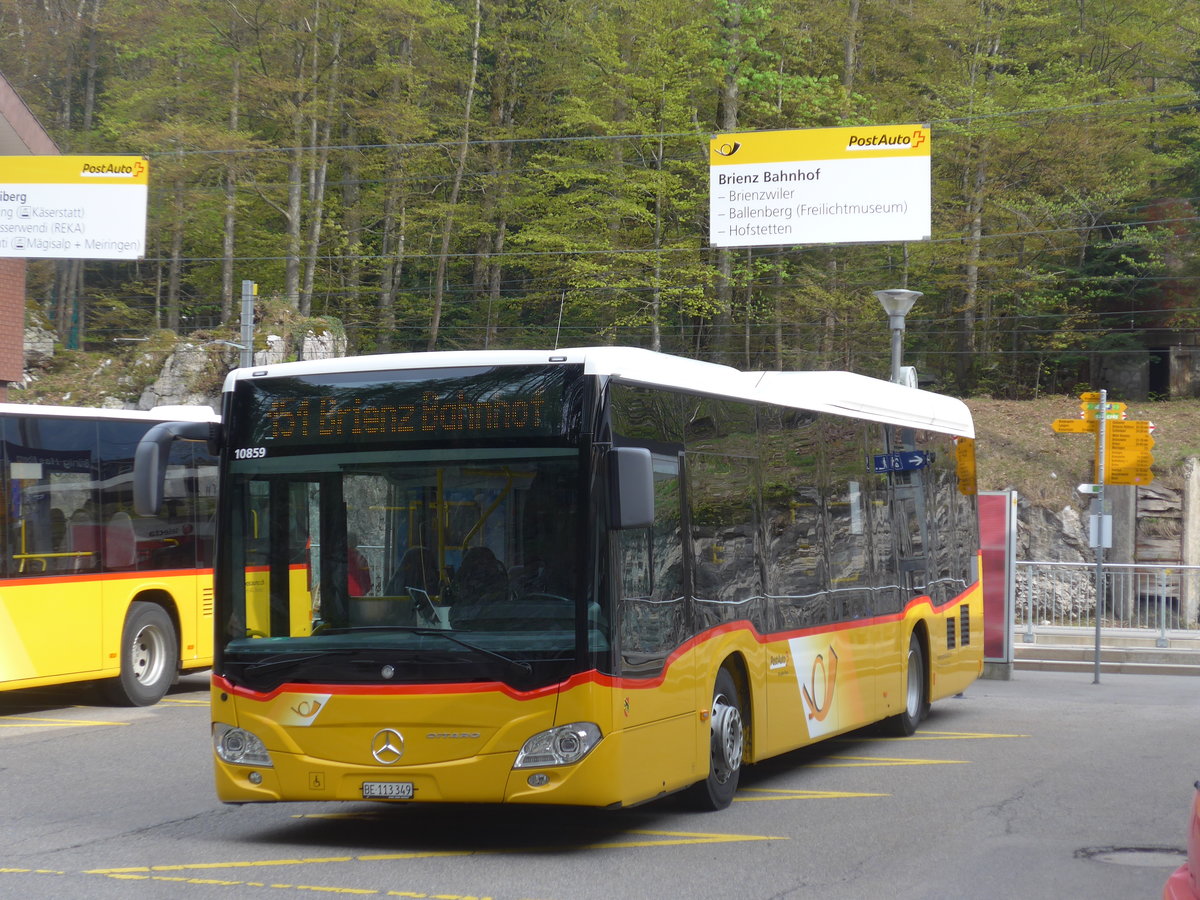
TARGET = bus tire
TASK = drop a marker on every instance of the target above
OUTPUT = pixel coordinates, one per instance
(916, 700)
(726, 742)
(149, 657)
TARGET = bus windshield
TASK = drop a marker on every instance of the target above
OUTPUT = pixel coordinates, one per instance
(404, 561)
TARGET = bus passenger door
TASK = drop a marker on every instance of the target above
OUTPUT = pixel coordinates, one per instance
(50, 621)
(848, 671)
(655, 704)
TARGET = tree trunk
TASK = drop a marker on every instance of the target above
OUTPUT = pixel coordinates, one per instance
(729, 103)
(89, 84)
(175, 264)
(850, 47)
(435, 318)
(230, 217)
(318, 174)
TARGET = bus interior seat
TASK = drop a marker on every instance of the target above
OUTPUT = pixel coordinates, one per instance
(120, 542)
(481, 578)
(418, 568)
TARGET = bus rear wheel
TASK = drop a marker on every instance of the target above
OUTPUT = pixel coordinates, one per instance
(725, 746)
(916, 701)
(149, 657)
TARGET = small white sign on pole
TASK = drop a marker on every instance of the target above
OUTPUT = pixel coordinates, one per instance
(861, 184)
(73, 207)
(1100, 531)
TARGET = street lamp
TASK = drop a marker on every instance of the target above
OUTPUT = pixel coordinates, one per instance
(896, 303)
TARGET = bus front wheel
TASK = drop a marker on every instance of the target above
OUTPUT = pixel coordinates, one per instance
(916, 700)
(726, 742)
(149, 657)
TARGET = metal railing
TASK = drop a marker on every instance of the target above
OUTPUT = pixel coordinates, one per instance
(1159, 598)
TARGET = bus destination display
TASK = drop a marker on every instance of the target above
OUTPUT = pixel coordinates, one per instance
(431, 405)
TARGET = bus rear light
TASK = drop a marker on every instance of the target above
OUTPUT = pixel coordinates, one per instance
(559, 746)
(239, 747)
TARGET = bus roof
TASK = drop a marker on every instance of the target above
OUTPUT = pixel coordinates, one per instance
(158, 414)
(841, 393)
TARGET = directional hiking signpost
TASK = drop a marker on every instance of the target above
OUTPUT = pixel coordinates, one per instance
(1122, 456)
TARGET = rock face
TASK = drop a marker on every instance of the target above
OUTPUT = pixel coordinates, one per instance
(323, 345)
(1048, 536)
(192, 373)
(39, 347)
(276, 351)
(188, 366)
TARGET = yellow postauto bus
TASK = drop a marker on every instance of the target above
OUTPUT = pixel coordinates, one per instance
(591, 576)
(89, 591)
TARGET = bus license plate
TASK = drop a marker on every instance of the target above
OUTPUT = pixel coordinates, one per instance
(387, 790)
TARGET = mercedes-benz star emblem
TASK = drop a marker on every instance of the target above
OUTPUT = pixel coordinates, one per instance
(387, 747)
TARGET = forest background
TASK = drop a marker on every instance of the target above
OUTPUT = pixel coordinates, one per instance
(420, 174)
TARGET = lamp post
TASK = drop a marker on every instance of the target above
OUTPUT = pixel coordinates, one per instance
(896, 303)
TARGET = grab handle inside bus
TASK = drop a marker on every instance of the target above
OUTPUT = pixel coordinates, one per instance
(150, 461)
(631, 475)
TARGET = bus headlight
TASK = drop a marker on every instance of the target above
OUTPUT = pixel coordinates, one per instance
(559, 746)
(239, 747)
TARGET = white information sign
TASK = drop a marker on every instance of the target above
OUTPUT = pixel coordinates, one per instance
(73, 207)
(860, 184)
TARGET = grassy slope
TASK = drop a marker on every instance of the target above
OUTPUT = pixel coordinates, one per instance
(1017, 449)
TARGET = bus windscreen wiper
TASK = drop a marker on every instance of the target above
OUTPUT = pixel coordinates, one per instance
(475, 648)
(282, 661)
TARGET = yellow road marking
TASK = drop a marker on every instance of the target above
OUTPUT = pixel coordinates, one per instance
(950, 736)
(31, 872)
(273, 863)
(663, 839)
(316, 888)
(785, 794)
(37, 721)
(222, 882)
(179, 701)
(847, 762)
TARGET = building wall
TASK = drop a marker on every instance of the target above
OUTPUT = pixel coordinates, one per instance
(12, 319)
(1125, 375)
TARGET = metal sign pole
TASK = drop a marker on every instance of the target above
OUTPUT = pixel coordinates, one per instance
(249, 292)
(1099, 522)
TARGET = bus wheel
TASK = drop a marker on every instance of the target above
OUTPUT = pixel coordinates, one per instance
(725, 753)
(149, 657)
(915, 702)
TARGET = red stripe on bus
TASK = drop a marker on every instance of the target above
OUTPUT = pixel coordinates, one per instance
(592, 676)
(144, 575)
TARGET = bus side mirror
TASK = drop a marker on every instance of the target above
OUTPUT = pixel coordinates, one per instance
(150, 461)
(631, 476)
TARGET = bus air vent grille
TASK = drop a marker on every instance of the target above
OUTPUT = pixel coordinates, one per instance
(950, 641)
(964, 615)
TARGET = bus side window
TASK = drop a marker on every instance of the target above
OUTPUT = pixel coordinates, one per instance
(650, 566)
(851, 579)
(51, 465)
(791, 445)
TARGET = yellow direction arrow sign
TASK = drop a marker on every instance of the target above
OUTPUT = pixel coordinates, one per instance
(1074, 426)
(1090, 396)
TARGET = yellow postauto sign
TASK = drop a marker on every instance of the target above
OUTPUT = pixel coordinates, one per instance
(860, 184)
(73, 207)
